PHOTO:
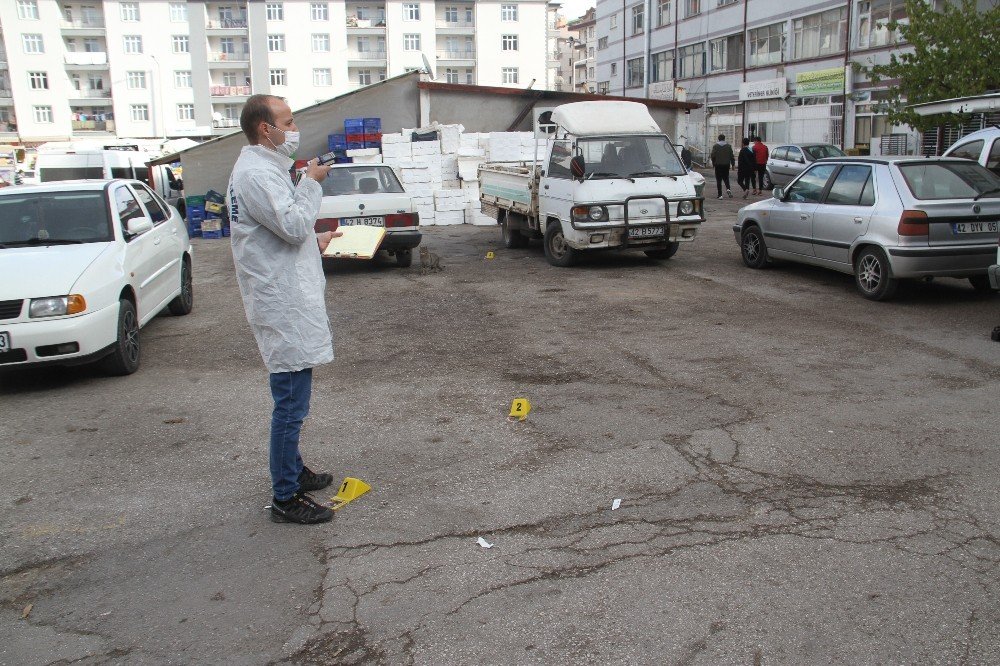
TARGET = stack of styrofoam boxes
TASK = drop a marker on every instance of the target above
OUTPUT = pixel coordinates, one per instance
(365, 156)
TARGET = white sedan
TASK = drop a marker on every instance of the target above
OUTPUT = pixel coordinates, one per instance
(86, 264)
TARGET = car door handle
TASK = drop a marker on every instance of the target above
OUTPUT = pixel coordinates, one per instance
(804, 216)
(859, 220)
(546, 187)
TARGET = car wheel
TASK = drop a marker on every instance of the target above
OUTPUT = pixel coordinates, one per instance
(184, 302)
(404, 258)
(752, 247)
(873, 275)
(557, 250)
(664, 253)
(124, 358)
(981, 283)
(512, 238)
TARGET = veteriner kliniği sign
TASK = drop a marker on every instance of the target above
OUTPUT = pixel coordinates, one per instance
(769, 89)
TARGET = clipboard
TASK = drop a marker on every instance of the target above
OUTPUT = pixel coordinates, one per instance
(358, 242)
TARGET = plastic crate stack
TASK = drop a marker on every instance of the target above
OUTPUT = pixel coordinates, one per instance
(214, 223)
(354, 128)
(373, 132)
(195, 215)
(337, 144)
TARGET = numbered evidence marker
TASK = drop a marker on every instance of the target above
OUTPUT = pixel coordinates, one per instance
(350, 490)
(490, 255)
(520, 408)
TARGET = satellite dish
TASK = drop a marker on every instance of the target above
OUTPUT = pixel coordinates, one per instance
(427, 66)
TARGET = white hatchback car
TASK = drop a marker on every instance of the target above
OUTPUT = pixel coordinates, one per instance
(86, 264)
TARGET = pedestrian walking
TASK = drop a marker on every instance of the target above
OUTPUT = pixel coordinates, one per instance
(723, 160)
(746, 168)
(279, 270)
(760, 152)
(686, 158)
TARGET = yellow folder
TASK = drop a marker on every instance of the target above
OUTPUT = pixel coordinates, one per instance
(358, 242)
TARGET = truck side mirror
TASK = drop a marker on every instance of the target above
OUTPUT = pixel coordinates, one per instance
(578, 167)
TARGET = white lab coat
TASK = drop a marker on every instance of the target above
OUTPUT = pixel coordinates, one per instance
(278, 264)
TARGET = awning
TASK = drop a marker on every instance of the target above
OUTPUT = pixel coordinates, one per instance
(976, 104)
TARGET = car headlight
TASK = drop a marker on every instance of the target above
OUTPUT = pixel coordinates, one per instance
(685, 207)
(590, 213)
(57, 306)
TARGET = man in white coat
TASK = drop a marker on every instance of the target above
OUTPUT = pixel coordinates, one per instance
(280, 273)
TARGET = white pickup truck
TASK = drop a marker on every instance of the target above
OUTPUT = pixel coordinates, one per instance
(607, 179)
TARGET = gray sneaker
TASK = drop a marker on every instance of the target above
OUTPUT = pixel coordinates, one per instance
(300, 509)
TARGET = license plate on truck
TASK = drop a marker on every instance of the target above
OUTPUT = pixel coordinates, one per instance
(645, 232)
(5, 345)
(974, 227)
(362, 222)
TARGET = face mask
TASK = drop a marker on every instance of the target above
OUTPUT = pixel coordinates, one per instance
(290, 145)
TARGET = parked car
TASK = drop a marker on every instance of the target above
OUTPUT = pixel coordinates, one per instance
(982, 146)
(788, 161)
(86, 264)
(370, 194)
(882, 219)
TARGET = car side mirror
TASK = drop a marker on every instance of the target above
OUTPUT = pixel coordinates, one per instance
(778, 193)
(578, 167)
(139, 225)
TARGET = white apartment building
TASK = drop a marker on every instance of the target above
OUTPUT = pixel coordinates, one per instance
(152, 68)
(584, 45)
(780, 70)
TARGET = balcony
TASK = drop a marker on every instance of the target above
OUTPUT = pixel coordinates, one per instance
(85, 27)
(230, 91)
(93, 125)
(225, 122)
(90, 97)
(366, 58)
(455, 27)
(369, 26)
(86, 60)
(8, 129)
(453, 56)
(222, 27)
(221, 60)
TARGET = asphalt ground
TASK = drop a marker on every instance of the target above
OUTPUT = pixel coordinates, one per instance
(806, 477)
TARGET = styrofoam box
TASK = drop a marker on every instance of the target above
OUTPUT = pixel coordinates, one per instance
(392, 138)
(416, 176)
(471, 151)
(363, 152)
(450, 217)
(397, 150)
(451, 184)
(374, 159)
(425, 148)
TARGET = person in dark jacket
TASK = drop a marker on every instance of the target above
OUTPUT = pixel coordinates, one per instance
(746, 168)
(686, 157)
(723, 160)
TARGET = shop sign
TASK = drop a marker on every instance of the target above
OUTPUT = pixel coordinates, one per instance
(661, 90)
(820, 82)
(769, 89)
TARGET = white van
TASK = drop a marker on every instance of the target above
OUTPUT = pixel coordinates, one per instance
(68, 164)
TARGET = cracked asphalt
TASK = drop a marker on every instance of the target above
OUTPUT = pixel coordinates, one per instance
(806, 477)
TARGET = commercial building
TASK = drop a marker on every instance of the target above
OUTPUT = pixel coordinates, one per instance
(71, 69)
(785, 71)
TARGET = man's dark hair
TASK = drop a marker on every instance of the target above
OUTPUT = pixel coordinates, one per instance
(256, 110)
(722, 137)
(746, 141)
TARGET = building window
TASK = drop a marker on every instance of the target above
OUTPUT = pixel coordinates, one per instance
(767, 45)
(182, 79)
(634, 73)
(321, 77)
(590, 52)
(139, 112)
(508, 12)
(819, 34)
(590, 74)
(38, 80)
(508, 43)
(279, 77)
(509, 75)
(33, 43)
(411, 12)
(638, 19)
(178, 12)
(365, 77)
(723, 3)
(185, 112)
(95, 82)
(132, 43)
(43, 114)
(726, 53)
(275, 43)
(229, 78)
(319, 11)
(614, 68)
(411, 42)
(91, 45)
(129, 11)
(451, 14)
(451, 75)
(604, 87)
(691, 61)
(470, 77)
(602, 43)
(321, 43)
(661, 67)
(662, 13)
(692, 8)
(28, 10)
(873, 20)
(135, 80)
(614, 20)
(181, 44)
(275, 11)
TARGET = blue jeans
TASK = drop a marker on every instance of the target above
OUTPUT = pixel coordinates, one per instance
(291, 392)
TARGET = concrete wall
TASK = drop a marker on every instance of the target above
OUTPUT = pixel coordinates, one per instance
(395, 101)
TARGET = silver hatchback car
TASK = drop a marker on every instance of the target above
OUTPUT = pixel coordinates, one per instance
(786, 162)
(883, 219)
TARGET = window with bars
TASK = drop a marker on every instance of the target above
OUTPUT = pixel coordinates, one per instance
(510, 75)
(767, 45)
(691, 61)
(43, 114)
(139, 112)
(129, 11)
(508, 43)
(819, 34)
(132, 44)
(185, 112)
(135, 80)
(319, 11)
(321, 43)
(38, 80)
(279, 77)
(33, 43)
(181, 44)
(634, 73)
(275, 11)
(726, 53)
(275, 43)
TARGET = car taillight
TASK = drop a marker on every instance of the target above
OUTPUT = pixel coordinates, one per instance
(402, 220)
(913, 223)
(327, 224)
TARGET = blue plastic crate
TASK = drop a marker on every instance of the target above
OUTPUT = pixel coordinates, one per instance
(354, 126)
(336, 142)
(372, 144)
(344, 160)
(225, 231)
(355, 145)
(373, 125)
(212, 234)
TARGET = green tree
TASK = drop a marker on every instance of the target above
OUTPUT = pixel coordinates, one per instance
(956, 51)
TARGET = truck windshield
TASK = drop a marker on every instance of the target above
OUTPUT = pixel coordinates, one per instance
(629, 157)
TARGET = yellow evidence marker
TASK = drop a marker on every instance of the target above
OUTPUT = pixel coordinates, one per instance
(520, 408)
(350, 490)
(490, 255)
